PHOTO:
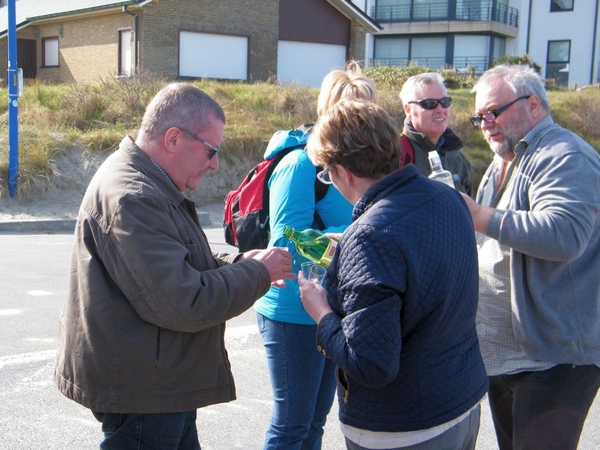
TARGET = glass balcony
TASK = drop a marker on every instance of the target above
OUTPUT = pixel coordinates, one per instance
(460, 64)
(440, 10)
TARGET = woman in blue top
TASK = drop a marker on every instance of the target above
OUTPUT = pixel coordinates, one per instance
(303, 381)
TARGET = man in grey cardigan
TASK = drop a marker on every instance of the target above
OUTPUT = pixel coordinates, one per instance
(537, 215)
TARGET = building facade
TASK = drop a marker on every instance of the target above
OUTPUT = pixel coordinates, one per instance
(562, 36)
(285, 40)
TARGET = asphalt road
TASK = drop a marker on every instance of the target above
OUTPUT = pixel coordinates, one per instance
(33, 415)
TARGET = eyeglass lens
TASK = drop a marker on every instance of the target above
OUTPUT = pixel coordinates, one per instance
(213, 150)
(431, 103)
(324, 177)
(490, 116)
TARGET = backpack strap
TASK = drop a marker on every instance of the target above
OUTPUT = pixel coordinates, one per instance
(266, 190)
(320, 191)
(408, 155)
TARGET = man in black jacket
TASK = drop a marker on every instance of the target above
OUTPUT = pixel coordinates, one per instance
(427, 108)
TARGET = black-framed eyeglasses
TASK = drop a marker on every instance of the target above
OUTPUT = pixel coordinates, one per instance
(213, 150)
(324, 177)
(490, 116)
(431, 103)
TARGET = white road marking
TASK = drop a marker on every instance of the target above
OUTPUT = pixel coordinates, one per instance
(240, 332)
(39, 293)
(26, 358)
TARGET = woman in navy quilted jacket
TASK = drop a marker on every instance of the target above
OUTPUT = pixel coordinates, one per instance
(397, 313)
(302, 382)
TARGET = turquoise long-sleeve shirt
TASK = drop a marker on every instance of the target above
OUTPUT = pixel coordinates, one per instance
(292, 203)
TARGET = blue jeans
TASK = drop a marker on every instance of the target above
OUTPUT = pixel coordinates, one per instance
(167, 431)
(303, 383)
(542, 410)
(462, 436)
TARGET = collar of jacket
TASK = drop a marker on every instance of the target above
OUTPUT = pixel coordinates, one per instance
(380, 189)
(451, 141)
(144, 164)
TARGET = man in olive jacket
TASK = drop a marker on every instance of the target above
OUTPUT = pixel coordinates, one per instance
(141, 339)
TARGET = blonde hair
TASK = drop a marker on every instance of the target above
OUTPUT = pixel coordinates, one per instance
(348, 84)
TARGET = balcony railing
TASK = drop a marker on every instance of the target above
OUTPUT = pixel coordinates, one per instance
(431, 63)
(490, 11)
(461, 64)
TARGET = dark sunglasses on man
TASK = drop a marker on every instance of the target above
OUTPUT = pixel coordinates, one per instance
(431, 103)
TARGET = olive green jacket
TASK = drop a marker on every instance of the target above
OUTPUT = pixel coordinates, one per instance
(143, 325)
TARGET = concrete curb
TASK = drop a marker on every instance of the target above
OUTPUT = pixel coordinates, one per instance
(61, 225)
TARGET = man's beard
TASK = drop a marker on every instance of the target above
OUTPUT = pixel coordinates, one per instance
(505, 147)
(513, 132)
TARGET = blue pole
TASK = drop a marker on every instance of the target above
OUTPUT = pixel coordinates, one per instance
(13, 102)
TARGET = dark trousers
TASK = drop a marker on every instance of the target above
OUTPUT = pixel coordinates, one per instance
(542, 410)
(168, 431)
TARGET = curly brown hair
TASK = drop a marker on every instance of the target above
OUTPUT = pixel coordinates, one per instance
(360, 136)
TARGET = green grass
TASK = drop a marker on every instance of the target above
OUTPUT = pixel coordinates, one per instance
(95, 117)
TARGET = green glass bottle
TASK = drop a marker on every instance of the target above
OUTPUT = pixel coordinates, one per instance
(312, 244)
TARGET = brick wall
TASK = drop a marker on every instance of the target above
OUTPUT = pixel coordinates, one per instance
(161, 22)
(88, 49)
(89, 46)
(356, 49)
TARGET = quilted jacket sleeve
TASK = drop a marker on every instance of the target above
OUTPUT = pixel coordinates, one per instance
(366, 343)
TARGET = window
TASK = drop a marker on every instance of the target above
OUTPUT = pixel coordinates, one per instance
(50, 52)
(393, 51)
(125, 52)
(561, 5)
(210, 55)
(428, 52)
(402, 51)
(472, 51)
(428, 10)
(557, 65)
(393, 10)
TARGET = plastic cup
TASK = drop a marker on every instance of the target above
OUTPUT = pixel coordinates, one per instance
(317, 272)
(306, 268)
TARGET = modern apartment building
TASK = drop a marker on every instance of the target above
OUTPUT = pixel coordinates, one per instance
(563, 36)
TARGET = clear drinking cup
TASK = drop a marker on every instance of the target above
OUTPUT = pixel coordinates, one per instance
(317, 272)
(306, 268)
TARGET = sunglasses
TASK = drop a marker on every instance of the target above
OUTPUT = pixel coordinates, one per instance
(490, 116)
(431, 103)
(213, 150)
(324, 177)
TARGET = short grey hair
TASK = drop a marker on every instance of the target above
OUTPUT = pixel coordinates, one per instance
(416, 83)
(180, 105)
(521, 79)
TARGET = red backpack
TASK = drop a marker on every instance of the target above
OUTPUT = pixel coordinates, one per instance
(408, 155)
(246, 213)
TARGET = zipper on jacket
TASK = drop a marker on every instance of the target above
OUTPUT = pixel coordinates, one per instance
(346, 389)
(343, 380)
